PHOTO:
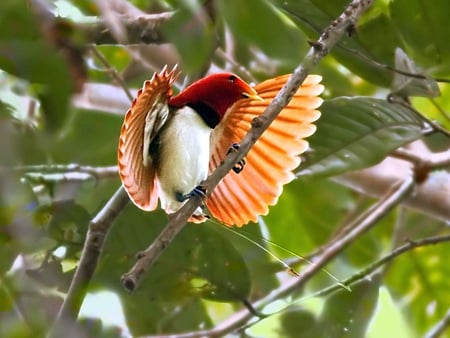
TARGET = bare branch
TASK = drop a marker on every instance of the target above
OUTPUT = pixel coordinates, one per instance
(142, 29)
(318, 50)
(98, 229)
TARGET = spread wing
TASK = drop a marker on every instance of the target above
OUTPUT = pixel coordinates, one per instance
(240, 198)
(147, 114)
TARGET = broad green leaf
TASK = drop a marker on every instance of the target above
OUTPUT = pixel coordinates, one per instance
(259, 24)
(296, 321)
(355, 133)
(295, 223)
(191, 31)
(347, 314)
(424, 27)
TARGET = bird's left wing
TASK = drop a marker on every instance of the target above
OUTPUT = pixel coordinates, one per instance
(148, 113)
(240, 198)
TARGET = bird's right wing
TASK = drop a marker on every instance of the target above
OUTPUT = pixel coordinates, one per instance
(240, 198)
(147, 114)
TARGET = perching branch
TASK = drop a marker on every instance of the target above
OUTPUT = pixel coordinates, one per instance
(360, 226)
(318, 50)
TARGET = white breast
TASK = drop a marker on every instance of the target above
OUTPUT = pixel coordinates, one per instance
(184, 157)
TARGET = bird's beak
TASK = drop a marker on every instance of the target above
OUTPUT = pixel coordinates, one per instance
(252, 94)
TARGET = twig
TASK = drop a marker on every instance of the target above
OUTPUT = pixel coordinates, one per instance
(391, 200)
(98, 229)
(440, 327)
(410, 245)
(112, 71)
(434, 161)
(138, 30)
(319, 49)
(97, 172)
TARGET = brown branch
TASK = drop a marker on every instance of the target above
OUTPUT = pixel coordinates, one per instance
(98, 229)
(319, 49)
(440, 327)
(143, 29)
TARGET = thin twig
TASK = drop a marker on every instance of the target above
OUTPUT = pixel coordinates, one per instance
(98, 229)
(112, 71)
(97, 172)
(319, 49)
(440, 327)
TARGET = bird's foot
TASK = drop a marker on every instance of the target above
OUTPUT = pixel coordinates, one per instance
(239, 166)
(197, 191)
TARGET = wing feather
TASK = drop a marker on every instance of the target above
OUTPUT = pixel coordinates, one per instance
(147, 114)
(240, 198)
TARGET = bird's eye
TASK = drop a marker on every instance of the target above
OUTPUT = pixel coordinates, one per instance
(232, 78)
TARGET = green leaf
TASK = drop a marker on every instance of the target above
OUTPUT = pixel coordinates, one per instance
(406, 86)
(26, 54)
(355, 133)
(195, 43)
(424, 27)
(347, 314)
(276, 37)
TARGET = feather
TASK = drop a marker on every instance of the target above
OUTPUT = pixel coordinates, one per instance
(143, 121)
(240, 198)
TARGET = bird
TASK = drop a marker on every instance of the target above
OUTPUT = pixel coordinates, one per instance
(168, 143)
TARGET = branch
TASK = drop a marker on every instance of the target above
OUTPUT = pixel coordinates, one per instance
(361, 225)
(98, 229)
(319, 49)
(432, 196)
(440, 327)
(143, 29)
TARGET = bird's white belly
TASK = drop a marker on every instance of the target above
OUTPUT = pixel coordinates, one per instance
(183, 157)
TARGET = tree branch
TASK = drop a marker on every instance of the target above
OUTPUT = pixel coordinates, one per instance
(95, 239)
(319, 49)
(143, 29)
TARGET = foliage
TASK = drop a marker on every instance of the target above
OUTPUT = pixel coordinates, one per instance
(209, 273)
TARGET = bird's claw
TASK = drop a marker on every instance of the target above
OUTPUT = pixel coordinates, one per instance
(239, 166)
(197, 191)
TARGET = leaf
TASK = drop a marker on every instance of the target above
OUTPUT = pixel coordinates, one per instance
(424, 27)
(405, 86)
(25, 53)
(347, 314)
(196, 42)
(259, 24)
(355, 133)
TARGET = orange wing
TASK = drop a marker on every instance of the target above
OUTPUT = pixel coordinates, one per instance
(240, 198)
(147, 114)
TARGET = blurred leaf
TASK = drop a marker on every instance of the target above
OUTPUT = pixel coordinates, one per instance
(419, 279)
(294, 321)
(347, 314)
(26, 54)
(355, 133)
(406, 86)
(424, 26)
(258, 23)
(191, 31)
(198, 263)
